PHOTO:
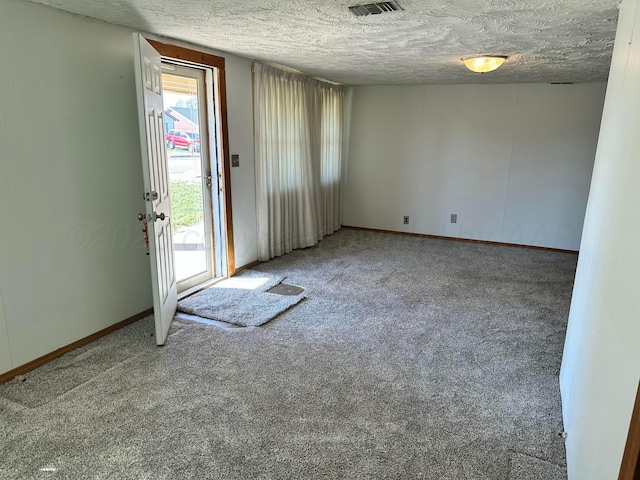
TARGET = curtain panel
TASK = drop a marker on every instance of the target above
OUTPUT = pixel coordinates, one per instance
(299, 144)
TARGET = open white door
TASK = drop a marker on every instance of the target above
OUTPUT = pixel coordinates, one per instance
(156, 185)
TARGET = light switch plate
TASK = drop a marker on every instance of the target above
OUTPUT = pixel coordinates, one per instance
(235, 160)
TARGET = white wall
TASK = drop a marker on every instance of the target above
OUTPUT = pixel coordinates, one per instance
(5, 353)
(512, 161)
(243, 182)
(601, 363)
(71, 256)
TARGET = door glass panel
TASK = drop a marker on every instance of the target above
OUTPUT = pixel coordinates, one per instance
(183, 102)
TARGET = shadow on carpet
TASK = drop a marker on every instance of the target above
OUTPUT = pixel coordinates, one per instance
(243, 300)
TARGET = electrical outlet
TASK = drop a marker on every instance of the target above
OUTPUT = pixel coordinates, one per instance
(454, 218)
(406, 220)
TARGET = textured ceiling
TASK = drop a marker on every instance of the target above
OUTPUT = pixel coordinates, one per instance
(546, 40)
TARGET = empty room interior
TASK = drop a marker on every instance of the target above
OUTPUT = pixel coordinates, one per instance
(444, 192)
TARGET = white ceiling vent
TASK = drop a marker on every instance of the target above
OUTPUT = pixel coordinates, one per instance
(375, 8)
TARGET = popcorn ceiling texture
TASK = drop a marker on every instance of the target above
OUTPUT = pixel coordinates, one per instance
(546, 40)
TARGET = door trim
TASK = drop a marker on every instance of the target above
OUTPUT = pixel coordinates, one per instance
(174, 52)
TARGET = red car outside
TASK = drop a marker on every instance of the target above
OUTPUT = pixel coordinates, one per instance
(182, 139)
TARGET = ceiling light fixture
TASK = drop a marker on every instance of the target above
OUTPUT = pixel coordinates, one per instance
(484, 64)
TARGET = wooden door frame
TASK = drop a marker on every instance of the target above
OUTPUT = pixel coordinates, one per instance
(630, 468)
(201, 58)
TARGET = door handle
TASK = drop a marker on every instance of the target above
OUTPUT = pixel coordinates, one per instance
(154, 216)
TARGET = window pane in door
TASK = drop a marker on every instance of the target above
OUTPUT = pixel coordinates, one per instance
(181, 104)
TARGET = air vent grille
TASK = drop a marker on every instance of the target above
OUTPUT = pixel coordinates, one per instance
(374, 8)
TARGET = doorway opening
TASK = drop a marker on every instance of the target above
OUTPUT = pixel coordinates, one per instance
(190, 174)
(199, 184)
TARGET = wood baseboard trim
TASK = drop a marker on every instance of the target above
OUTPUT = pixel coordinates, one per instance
(38, 362)
(247, 266)
(630, 467)
(466, 240)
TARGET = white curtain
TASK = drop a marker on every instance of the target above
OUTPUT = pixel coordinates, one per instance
(298, 142)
